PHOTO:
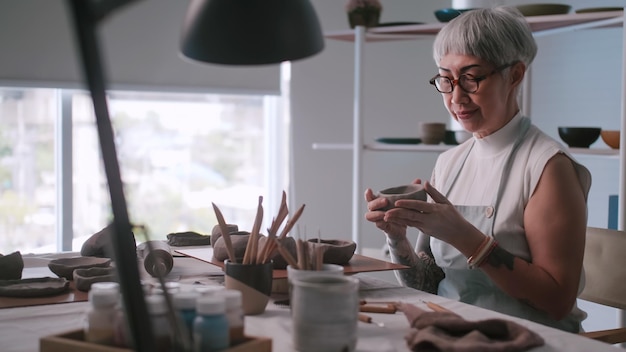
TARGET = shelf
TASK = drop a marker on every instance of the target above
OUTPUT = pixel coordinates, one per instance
(383, 147)
(539, 24)
(426, 148)
(595, 151)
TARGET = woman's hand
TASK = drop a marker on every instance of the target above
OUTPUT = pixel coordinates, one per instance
(438, 219)
(377, 216)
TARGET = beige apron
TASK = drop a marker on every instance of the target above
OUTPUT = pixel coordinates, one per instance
(474, 286)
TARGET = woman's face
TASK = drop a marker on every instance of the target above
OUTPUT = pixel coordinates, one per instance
(489, 108)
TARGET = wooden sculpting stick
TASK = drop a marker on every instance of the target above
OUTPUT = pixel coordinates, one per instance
(225, 233)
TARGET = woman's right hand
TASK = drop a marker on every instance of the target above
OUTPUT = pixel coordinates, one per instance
(376, 216)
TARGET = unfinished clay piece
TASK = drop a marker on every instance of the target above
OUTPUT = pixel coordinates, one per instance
(84, 278)
(11, 266)
(64, 267)
(337, 251)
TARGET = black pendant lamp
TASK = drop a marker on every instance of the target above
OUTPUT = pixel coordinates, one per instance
(250, 32)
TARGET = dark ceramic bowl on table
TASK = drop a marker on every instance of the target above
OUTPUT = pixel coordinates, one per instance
(579, 137)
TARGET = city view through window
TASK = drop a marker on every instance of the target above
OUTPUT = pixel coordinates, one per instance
(178, 153)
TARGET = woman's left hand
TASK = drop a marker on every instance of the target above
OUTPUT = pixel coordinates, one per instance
(439, 219)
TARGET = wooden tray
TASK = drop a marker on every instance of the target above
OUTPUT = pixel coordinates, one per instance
(74, 341)
(357, 264)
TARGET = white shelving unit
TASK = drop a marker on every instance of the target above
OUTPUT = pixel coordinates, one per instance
(541, 26)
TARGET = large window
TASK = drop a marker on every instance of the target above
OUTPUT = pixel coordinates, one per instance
(178, 153)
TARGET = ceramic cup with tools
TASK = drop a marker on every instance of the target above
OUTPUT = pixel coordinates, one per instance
(253, 280)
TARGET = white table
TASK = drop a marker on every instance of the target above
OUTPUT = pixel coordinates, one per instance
(21, 328)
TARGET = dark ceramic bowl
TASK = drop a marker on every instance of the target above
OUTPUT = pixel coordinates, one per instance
(579, 137)
(449, 138)
(447, 15)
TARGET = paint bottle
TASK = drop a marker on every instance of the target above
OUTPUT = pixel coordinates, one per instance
(100, 319)
(210, 328)
(185, 305)
(157, 308)
(234, 314)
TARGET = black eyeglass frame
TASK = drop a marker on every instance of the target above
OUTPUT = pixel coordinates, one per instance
(477, 80)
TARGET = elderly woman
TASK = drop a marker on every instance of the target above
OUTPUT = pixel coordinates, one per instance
(507, 215)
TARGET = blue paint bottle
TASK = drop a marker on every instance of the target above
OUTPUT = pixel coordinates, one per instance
(210, 328)
(185, 305)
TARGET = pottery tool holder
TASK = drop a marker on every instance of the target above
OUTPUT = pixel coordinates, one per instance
(253, 254)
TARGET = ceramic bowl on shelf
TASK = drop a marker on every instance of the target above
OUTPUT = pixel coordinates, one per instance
(599, 9)
(447, 15)
(449, 138)
(462, 135)
(611, 138)
(579, 137)
(432, 132)
(543, 9)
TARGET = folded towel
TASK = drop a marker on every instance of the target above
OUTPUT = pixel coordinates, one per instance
(446, 331)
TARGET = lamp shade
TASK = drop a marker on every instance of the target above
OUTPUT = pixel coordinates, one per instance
(250, 32)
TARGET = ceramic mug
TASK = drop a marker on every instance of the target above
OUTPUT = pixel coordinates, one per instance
(253, 280)
(324, 310)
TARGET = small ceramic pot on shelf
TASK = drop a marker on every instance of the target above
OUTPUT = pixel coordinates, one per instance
(363, 13)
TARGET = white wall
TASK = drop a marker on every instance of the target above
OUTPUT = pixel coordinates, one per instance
(576, 82)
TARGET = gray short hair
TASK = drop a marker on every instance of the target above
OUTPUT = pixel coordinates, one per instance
(499, 35)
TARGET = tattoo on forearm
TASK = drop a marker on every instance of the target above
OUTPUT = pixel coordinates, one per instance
(499, 257)
(423, 274)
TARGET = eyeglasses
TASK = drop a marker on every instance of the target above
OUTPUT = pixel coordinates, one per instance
(467, 82)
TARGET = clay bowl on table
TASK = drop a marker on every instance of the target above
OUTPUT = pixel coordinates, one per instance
(412, 191)
(337, 251)
(611, 138)
(84, 278)
(579, 137)
(64, 267)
